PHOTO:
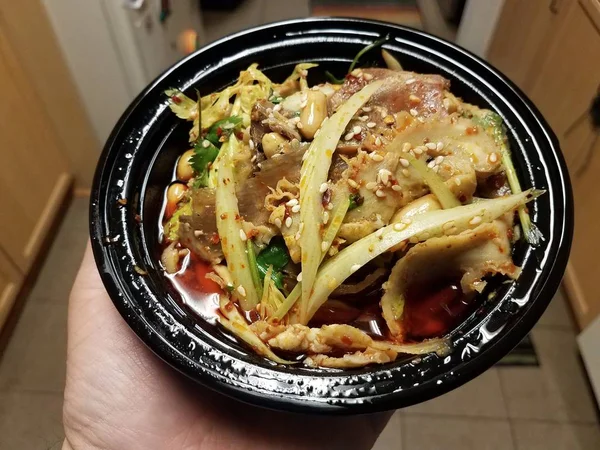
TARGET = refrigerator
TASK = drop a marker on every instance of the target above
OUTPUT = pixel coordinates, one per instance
(114, 48)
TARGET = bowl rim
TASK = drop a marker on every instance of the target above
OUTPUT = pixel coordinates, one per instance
(338, 405)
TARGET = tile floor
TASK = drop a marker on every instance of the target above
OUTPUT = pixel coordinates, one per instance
(547, 407)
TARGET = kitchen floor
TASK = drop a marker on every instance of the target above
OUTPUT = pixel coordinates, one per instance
(525, 408)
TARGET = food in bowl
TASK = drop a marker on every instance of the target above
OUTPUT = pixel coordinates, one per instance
(341, 224)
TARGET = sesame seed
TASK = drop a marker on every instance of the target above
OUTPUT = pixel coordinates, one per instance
(352, 183)
(376, 156)
(363, 118)
(405, 172)
(404, 162)
(348, 136)
(439, 146)
(205, 144)
(277, 108)
(253, 159)
(378, 141)
(324, 246)
(410, 81)
(292, 202)
(251, 144)
(419, 150)
(413, 112)
(299, 125)
(439, 160)
(354, 268)
(367, 76)
(329, 206)
(448, 225)
(243, 236)
(299, 277)
(493, 157)
(475, 220)
(396, 188)
(367, 108)
(323, 188)
(406, 221)
(384, 174)
(457, 181)
(414, 99)
(430, 146)
(379, 193)
(277, 222)
(288, 222)
(325, 217)
(371, 124)
(356, 129)
(241, 290)
(399, 226)
(198, 233)
(431, 164)
(297, 236)
(259, 165)
(406, 147)
(296, 208)
(379, 232)
(371, 186)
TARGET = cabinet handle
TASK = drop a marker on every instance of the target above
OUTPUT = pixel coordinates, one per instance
(594, 116)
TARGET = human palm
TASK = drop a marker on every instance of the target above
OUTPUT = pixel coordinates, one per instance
(119, 395)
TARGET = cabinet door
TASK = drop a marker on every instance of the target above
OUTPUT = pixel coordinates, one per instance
(10, 283)
(33, 175)
(559, 69)
(523, 31)
(568, 81)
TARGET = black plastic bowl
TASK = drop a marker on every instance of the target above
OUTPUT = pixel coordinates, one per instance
(137, 164)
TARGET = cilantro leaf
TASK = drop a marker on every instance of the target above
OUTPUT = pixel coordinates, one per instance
(204, 155)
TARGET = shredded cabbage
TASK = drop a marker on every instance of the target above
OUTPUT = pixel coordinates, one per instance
(313, 173)
(391, 61)
(437, 186)
(171, 228)
(229, 226)
(431, 224)
(236, 323)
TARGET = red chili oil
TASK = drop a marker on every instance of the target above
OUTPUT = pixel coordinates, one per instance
(432, 309)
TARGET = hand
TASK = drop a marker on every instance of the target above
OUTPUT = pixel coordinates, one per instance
(119, 395)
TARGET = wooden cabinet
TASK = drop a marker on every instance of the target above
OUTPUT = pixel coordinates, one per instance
(10, 283)
(34, 175)
(556, 60)
(37, 166)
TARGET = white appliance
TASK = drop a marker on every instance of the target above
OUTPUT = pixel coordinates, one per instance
(114, 48)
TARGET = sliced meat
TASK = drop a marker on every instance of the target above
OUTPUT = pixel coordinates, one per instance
(265, 119)
(373, 180)
(470, 256)
(420, 95)
(328, 338)
(456, 134)
(352, 360)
